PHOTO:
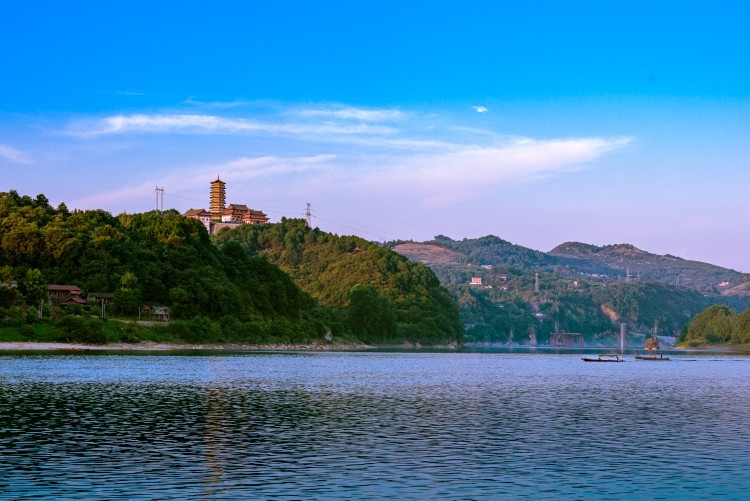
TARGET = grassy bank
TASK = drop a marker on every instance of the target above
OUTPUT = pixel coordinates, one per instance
(93, 331)
(199, 330)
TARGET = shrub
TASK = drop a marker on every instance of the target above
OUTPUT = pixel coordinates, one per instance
(83, 329)
(28, 332)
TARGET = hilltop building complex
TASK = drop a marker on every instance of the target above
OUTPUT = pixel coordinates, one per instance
(221, 216)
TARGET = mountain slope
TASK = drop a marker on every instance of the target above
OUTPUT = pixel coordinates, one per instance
(519, 294)
(626, 259)
(332, 268)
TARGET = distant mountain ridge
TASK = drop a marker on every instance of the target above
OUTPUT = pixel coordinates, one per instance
(614, 261)
(512, 294)
(628, 260)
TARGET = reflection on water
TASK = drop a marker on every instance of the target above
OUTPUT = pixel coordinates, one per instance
(372, 425)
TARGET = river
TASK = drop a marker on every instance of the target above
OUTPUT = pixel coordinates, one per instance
(372, 425)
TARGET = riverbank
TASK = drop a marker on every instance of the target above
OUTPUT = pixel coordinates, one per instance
(151, 346)
(734, 348)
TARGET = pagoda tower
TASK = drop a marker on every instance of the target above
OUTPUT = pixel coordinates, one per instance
(218, 199)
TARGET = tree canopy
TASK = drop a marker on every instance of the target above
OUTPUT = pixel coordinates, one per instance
(158, 258)
(256, 283)
(718, 324)
(334, 268)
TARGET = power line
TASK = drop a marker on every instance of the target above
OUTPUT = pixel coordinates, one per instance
(385, 220)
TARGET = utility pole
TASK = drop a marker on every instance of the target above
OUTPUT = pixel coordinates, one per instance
(103, 308)
(308, 215)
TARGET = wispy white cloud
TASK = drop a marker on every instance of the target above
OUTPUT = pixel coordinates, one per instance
(267, 118)
(14, 155)
(352, 113)
(479, 109)
(211, 124)
(219, 104)
(469, 172)
(247, 168)
(197, 178)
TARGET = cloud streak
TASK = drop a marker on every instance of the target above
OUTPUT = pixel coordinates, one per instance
(240, 170)
(211, 124)
(444, 178)
(13, 155)
(353, 113)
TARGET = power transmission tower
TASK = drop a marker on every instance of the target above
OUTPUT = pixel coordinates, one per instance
(159, 207)
(308, 215)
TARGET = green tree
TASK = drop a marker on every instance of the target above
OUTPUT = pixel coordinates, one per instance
(712, 325)
(34, 286)
(741, 328)
(371, 317)
(127, 299)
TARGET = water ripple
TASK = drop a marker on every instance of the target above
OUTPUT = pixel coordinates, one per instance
(371, 426)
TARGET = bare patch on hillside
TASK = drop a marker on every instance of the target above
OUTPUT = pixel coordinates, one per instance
(742, 289)
(430, 254)
(612, 314)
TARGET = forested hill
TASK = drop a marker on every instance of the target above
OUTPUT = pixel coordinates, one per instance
(625, 259)
(520, 295)
(622, 261)
(215, 295)
(350, 272)
(229, 290)
(493, 250)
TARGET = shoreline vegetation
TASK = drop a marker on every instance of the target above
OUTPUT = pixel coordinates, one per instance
(154, 346)
(281, 347)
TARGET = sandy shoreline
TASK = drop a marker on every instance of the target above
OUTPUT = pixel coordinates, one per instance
(150, 346)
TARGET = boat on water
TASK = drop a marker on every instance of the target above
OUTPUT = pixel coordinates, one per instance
(610, 357)
(656, 357)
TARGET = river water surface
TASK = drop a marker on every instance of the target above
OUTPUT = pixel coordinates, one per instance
(372, 426)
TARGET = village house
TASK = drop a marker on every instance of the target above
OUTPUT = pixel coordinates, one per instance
(64, 295)
(107, 297)
(63, 291)
(155, 311)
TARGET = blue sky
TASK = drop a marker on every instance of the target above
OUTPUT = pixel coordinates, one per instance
(539, 122)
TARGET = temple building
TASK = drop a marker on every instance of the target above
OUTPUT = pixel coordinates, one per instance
(221, 216)
(218, 198)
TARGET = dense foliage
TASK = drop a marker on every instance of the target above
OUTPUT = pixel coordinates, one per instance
(215, 295)
(718, 324)
(346, 271)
